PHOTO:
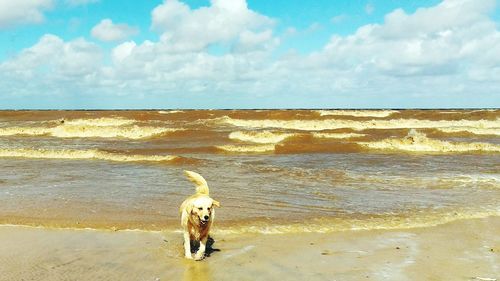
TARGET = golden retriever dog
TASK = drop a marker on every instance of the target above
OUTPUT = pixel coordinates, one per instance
(197, 216)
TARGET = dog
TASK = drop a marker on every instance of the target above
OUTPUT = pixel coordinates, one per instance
(197, 216)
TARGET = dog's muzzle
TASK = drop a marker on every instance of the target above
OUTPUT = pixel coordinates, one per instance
(205, 219)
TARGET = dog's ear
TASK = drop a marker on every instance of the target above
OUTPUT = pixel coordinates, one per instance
(189, 208)
(215, 203)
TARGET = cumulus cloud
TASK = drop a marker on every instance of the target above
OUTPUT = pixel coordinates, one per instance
(52, 65)
(107, 31)
(441, 40)
(436, 56)
(249, 41)
(22, 12)
(224, 21)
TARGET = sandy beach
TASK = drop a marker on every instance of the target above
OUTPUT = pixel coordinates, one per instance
(461, 250)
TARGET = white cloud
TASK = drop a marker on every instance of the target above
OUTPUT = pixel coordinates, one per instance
(255, 41)
(52, 60)
(437, 56)
(183, 29)
(107, 31)
(441, 40)
(122, 51)
(22, 11)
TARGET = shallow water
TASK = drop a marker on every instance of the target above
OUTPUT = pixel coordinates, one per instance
(272, 171)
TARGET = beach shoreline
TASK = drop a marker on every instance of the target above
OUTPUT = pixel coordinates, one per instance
(460, 250)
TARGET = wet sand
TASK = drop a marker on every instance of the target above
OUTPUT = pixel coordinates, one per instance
(461, 250)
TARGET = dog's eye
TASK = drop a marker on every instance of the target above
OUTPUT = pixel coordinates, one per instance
(200, 208)
(208, 208)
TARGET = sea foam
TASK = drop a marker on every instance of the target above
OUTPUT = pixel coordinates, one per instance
(82, 154)
(419, 142)
(259, 137)
(337, 135)
(103, 121)
(87, 130)
(472, 130)
(261, 148)
(329, 225)
(357, 113)
(330, 124)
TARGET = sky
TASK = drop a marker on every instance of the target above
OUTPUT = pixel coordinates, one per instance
(110, 54)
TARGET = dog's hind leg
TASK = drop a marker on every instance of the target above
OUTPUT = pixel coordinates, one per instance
(200, 254)
(187, 246)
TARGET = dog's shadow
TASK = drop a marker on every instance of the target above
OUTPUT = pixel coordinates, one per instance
(195, 245)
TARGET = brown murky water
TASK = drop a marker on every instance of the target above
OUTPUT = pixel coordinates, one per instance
(272, 171)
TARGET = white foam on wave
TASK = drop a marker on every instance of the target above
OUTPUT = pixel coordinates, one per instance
(491, 181)
(71, 130)
(170, 111)
(472, 130)
(247, 148)
(97, 122)
(419, 142)
(357, 113)
(337, 135)
(260, 137)
(481, 181)
(82, 154)
(129, 132)
(330, 124)
(340, 224)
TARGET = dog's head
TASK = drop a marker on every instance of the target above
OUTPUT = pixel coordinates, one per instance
(202, 209)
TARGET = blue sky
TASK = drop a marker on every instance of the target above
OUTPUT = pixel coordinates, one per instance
(107, 54)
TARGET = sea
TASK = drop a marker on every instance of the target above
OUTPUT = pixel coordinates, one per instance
(273, 171)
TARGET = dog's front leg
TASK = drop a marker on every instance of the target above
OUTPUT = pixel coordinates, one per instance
(187, 246)
(200, 254)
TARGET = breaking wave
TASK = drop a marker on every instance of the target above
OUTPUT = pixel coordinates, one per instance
(338, 135)
(247, 148)
(481, 181)
(103, 121)
(270, 137)
(329, 225)
(419, 142)
(357, 113)
(84, 130)
(169, 111)
(471, 130)
(83, 154)
(260, 137)
(330, 124)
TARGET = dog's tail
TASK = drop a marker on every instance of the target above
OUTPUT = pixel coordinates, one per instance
(199, 181)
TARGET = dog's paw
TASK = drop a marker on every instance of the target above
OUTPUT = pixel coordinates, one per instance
(189, 257)
(199, 256)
